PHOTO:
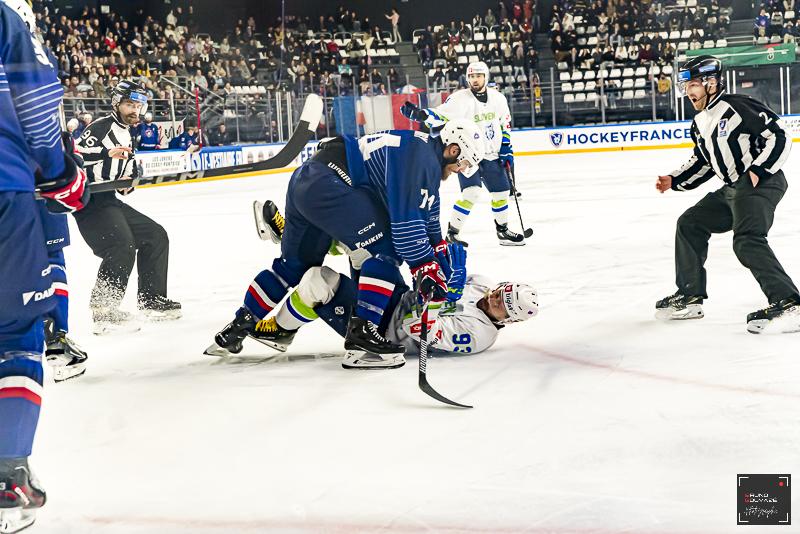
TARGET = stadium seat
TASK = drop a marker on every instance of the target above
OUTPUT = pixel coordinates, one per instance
(708, 44)
(562, 65)
(569, 98)
(775, 39)
(722, 43)
(762, 40)
(589, 75)
(591, 30)
(683, 46)
(580, 97)
(627, 83)
(627, 95)
(491, 36)
(640, 71)
(474, 59)
(640, 83)
(627, 72)
(592, 97)
(602, 73)
(509, 80)
(675, 35)
(470, 48)
(655, 70)
(577, 75)
(564, 76)
(508, 69)
(494, 70)
(462, 60)
(666, 70)
(578, 87)
(459, 48)
(639, 94)
(590, 86)
(686, 34)
(592, 41)
(789, 15)
(478, 37)
(615, 73)
(521, 78)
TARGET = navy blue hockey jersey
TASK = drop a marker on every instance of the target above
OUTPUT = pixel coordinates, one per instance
(30, 94)
(404, 168)
(148, 136)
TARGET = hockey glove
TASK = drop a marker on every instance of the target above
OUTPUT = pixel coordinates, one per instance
(441, 253)
(412, 111)
(68, 193)
(506, 155)
(431, 282)
(458, 278)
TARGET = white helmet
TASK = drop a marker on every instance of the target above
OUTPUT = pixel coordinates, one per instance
(469, 139)
(478, 67)
(72, 124)
(25, 12)
(148, 116)
(520, 300)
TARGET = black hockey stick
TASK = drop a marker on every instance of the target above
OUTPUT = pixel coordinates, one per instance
(423, 361)
(527, 232)
(307, 126)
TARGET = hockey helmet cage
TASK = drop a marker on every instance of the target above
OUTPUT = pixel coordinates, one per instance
(700, 67)
(129, 90)
(469, 139)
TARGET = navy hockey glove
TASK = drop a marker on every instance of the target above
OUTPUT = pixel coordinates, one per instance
(411, 111)
(431, 282)
(458, 278)
(506, 155)
(441, 253)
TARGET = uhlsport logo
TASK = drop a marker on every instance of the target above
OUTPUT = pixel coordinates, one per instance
(556, 138)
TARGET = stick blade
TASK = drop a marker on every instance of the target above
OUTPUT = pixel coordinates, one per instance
(428, 390)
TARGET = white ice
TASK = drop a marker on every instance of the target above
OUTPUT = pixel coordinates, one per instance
(591, 418)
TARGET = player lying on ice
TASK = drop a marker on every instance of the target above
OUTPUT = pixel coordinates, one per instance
(468, 322)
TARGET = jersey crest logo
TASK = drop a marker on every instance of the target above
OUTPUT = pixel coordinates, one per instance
(556, 138)
(723, 128)
(489, 132)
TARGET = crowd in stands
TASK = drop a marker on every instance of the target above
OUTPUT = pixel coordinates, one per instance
(503, 38)
(776, 22)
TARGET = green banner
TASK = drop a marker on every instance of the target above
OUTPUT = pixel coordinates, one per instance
(742, 56)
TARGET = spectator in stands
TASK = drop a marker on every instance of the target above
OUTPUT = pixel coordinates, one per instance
(454, 79)
(789, 33)
(502, 11)
(426, 57)
(450, 55)
(187, 140)
(560, 51)
(394, 17)
(664, 84)
(621, 54)
(393, 79)
(532, 60)
(438, 80)
(489, 19)
(761, 24)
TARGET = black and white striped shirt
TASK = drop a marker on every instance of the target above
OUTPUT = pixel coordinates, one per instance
(95, 142)
(734, 135)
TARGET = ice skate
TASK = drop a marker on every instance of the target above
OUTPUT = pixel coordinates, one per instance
(678, 307)
(160, 308)
(269, 221)
(109, 320)
(268, 332)
(20, 495)
(782, 317)
(452, 237)
(359, 359)
(65, 357)
(363, 335)
(507, 237)
(228, 341)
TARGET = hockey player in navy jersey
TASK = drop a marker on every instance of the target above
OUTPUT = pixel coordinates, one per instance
(147, 134)
(33, 157)
(379, 197)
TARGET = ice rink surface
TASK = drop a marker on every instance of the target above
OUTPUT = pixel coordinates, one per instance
(590, 418)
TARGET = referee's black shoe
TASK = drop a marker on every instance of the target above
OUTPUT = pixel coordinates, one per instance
(788, 308)
(677, 307)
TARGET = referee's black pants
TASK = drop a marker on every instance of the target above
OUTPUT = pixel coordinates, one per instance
(120, 236)
(749, 212)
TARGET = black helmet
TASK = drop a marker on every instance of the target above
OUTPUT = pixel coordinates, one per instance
(129, 90)
(699, 67)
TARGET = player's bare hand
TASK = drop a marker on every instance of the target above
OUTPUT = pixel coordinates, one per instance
(120, 152)
(664, 183)
(754, 178)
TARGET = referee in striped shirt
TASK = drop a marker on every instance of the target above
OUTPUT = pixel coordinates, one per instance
(743, 143)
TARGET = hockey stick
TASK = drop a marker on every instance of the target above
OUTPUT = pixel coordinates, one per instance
(527, 232)
(423, 361)
(307, 126)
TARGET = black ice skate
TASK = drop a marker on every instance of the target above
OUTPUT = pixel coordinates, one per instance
(269, 332)
(359, 359)
(779, 317)
(228, 341)
(20, 495)
(110, 319)
(507, 237)
(363, 335)
(65, 357)
(160, 308)
(269, 221)
(679, 307)
(452, 237)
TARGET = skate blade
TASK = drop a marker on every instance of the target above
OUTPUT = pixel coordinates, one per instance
(265, 232)
(67, 372)
(15, 519)
(788, 325)
(512, 243)
(692, 311)
(156, 316)
(357, 359)
(216, 350)
(271, 344)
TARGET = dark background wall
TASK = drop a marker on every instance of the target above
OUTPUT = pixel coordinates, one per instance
(219, 16)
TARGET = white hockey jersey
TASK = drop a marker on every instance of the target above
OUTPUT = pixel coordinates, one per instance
(460, 328)
(493, 117)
